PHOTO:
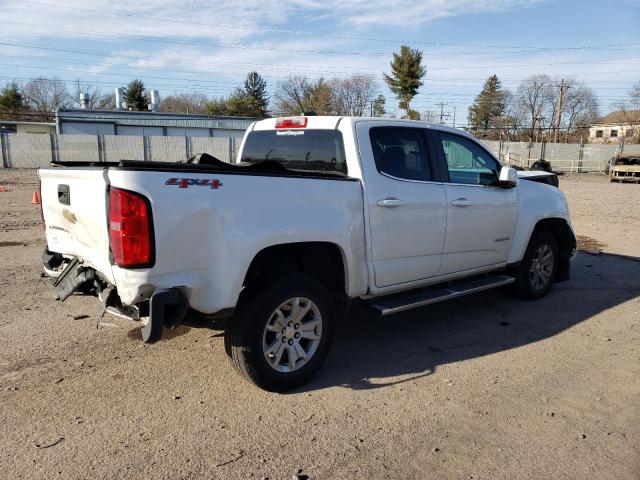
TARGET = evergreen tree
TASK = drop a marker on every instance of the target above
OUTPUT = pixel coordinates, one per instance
(406, 77)
(136, 96)
(11, 101)
(217, 106)
(240, 104)
(378, 106)
(255, 89)
(488, 107)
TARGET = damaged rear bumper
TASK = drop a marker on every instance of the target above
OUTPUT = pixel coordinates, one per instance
(165, 308)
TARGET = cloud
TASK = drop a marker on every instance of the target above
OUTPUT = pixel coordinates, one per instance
(410, 13)
(223, 19)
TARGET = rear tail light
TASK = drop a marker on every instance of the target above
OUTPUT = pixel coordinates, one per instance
(291, 122)
(130, 229)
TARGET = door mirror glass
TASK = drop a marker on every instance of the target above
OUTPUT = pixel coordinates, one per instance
(508, 177)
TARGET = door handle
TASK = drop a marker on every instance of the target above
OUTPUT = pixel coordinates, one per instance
(390, 203)
(460, 202)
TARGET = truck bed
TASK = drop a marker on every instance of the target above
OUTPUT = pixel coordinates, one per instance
(209, 221)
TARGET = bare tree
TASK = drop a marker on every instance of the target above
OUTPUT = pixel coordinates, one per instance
(635, 94)
(96, 98)
(46, 95)
(535, 99)
(297, 95)
(354, 95)
(630, 111)
(292, 95)
(184, 103)
(579, 107)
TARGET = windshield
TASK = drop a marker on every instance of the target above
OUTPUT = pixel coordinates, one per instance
(321, 150)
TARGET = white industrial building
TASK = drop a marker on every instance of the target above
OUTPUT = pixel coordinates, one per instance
(123, 122)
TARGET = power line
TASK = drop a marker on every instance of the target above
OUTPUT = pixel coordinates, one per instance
(431, 80)
(93, 34)
(236, 27)
(494, 67)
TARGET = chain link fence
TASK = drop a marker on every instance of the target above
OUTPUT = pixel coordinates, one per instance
(564, 157)
(25, 150)
(38, 150)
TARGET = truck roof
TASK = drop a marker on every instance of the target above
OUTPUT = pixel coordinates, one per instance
(331, 121)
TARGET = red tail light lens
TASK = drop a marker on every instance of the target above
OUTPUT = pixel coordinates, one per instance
(291, 122)
(130, 229)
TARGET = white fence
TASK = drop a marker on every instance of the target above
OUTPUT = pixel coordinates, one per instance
(564, 157)
(25, 150)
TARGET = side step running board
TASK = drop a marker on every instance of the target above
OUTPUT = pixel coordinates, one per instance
(400, 304)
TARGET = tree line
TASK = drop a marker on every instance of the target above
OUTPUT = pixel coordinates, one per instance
(540, 106)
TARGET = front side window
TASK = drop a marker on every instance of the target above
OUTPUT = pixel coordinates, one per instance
(400, 152)
(302, 149)
(467, 162)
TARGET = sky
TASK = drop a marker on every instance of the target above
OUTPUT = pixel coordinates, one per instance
(180, 46)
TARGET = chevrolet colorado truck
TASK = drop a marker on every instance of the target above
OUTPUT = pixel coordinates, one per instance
(317, 212)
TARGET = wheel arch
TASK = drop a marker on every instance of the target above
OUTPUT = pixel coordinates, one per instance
(324, 261)
(562, 232)
(559, 226)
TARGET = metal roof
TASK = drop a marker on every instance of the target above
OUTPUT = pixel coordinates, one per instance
(153, 119)
(12, 122)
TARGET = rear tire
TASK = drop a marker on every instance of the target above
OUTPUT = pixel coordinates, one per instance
(537, 271)
(281, 333)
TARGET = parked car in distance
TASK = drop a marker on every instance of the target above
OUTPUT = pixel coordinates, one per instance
(624, 168)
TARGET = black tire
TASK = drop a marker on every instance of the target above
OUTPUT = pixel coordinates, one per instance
(244, 332)
(525, 286)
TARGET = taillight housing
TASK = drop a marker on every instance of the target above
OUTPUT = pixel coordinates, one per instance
(291, 122)
(130, 229)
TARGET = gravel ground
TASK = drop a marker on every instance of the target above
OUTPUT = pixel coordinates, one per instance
(483, 387)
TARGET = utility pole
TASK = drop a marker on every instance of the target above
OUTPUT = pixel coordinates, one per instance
(441, 105)
(559, 111)
(453, 124)
(538, 120)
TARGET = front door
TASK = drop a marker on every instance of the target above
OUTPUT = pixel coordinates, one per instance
(481, 216)
(407, 209)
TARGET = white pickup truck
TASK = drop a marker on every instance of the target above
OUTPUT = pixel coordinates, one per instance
(319, 211)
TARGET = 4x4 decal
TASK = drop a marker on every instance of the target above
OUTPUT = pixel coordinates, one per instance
(200, 182)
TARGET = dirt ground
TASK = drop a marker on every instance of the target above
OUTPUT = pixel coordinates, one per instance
(478, 388)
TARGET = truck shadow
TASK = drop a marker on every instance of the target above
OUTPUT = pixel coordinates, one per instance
(372, 352)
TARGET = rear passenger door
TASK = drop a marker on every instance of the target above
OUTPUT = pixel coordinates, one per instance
(407, 208)
(481, 216)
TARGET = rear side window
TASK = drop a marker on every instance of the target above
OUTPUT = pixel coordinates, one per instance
(400, 152)
(320, 150)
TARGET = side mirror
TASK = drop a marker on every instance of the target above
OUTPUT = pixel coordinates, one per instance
(508, 177)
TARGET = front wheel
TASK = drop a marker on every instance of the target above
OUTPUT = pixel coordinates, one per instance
(281, 334)
(537, 272)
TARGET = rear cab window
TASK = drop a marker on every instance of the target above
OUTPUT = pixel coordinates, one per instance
(400, 152)
(308, 149)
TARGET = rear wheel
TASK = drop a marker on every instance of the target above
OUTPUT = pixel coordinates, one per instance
(281, 334)
(536, 273)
